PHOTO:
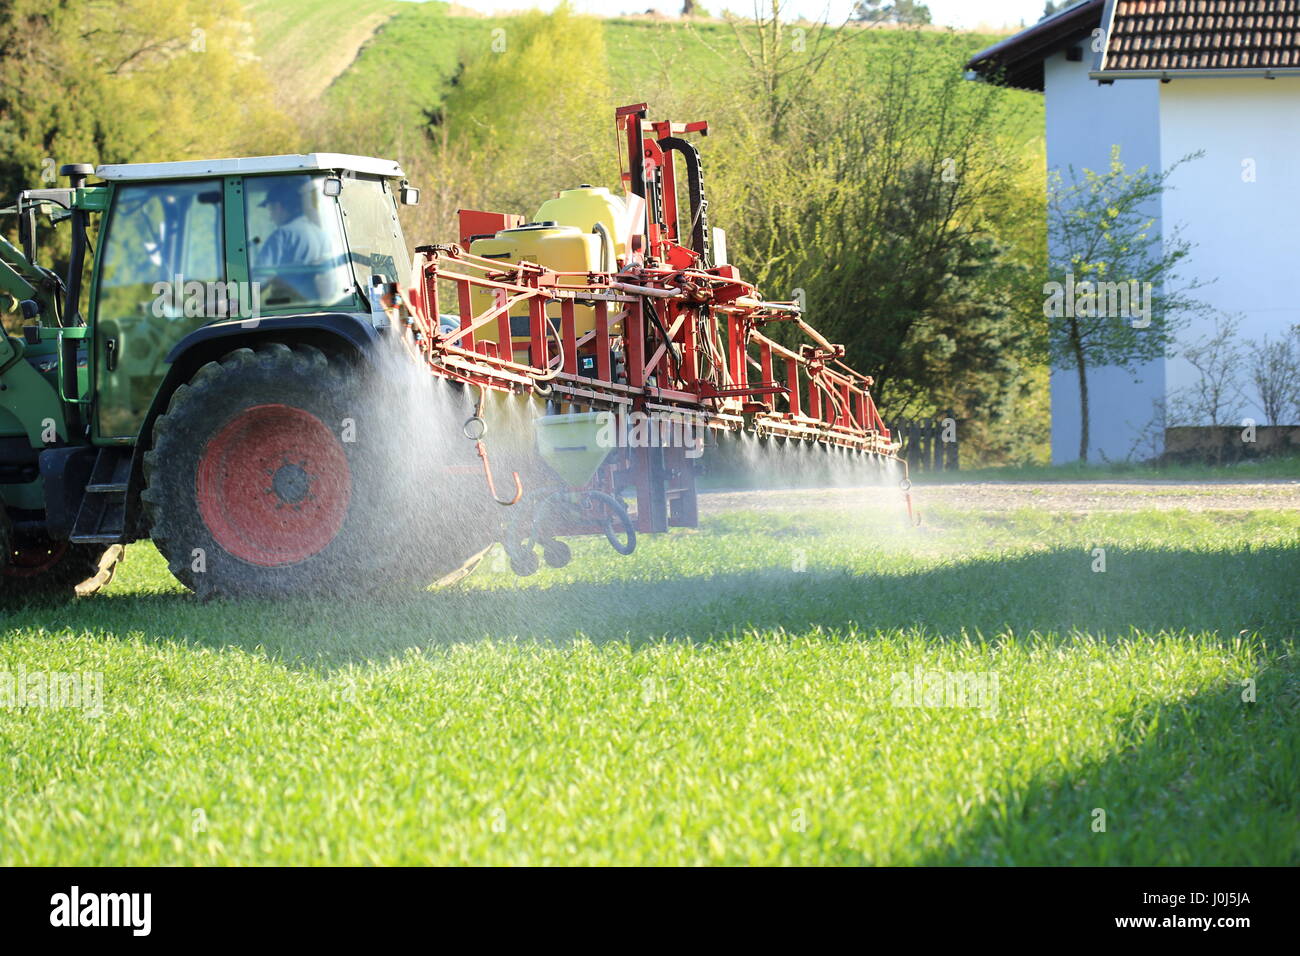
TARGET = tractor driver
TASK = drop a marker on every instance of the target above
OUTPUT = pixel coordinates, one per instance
(296, 241)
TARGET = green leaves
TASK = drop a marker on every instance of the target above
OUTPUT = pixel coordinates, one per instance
(131, 81)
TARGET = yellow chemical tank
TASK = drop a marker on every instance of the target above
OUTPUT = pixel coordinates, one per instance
(563, 248)
(584, 207)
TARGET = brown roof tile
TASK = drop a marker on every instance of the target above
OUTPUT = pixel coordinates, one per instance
(1203, 34)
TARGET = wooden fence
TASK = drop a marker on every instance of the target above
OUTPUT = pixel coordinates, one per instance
(929, 444)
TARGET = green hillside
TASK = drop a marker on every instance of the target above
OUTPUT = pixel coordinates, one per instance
(305, 45)
(397, 59)
(407, 64)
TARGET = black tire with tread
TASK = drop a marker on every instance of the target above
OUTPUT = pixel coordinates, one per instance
(372, 550)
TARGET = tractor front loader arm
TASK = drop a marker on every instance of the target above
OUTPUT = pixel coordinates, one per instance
(13, 267)
(25, 394)
(23, 280)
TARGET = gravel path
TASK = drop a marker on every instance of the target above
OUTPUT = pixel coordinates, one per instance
(1064, 497)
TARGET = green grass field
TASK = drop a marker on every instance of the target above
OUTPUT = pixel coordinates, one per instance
(729, 695)
(1261, 469)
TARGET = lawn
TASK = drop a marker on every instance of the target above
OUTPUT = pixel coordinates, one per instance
(744, 693)
(1260, 469)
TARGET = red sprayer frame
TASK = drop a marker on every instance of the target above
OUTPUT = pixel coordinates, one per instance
(673, 333)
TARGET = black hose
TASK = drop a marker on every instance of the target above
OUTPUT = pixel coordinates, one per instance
(659, 324)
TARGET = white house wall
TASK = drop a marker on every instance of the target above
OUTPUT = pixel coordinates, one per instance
(1083, 120)
(1245, 232)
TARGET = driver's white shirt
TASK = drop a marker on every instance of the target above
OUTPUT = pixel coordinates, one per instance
(299, 242)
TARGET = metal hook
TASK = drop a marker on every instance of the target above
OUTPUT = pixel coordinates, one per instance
(905, 485)
(913, 518)
(492, 488)
(475, 428)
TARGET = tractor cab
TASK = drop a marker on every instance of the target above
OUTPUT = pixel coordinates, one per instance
(189, 244)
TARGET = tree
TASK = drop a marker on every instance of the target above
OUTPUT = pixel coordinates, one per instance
(1216, 397)
(491, 115)
(128, 81)
(1275, 373)
(1149, 442)
(1113, 295)
(902, 11)
(784, 61)
(899, 206)
(88, 81)
(1050, 8)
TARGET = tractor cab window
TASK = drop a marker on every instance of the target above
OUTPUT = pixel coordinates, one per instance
(161, 232)
(162, 262)
(375, 241)
(296, 252)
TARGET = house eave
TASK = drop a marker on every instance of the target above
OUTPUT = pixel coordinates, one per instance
(1017, 61)
(1267, 73)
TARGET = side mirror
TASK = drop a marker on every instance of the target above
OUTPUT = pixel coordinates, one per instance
(409, 195)
(333, 186)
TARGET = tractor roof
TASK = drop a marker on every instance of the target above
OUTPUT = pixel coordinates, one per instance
(249, 166)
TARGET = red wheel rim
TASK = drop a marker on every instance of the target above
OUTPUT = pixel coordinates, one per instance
(273, 486)
(31, 561)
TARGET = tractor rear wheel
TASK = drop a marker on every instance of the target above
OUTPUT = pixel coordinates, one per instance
(269, 475)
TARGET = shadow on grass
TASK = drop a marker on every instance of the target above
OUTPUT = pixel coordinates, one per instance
(1212, 781)
(1252, 589)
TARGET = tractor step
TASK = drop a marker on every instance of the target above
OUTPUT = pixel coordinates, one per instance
(102, 516)
(96, 539)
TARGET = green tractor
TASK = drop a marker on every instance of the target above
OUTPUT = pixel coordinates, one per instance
(218, 384)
